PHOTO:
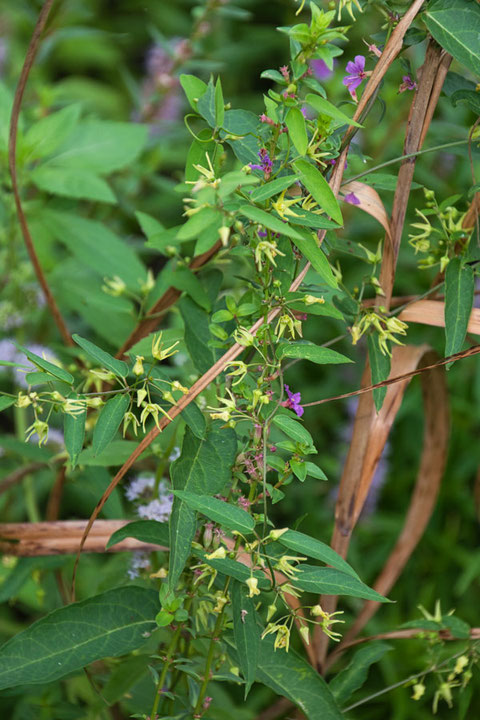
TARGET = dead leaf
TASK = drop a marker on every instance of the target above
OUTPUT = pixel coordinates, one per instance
(370, 202)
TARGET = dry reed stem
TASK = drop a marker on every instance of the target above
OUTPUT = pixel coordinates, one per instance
(355, 481)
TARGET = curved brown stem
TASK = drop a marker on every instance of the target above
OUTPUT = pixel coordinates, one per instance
(12, 152)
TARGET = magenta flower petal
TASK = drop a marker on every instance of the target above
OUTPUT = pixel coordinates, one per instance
(352, 199)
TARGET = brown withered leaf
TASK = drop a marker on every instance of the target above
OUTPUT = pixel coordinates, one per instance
(424, 496)
(370, 202)
(432, 312)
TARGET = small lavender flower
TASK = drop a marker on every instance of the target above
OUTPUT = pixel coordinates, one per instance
(140, 561)
(320, 69)
(266, 164)
(352, 199)
(138, 486)
(355, 75)
(158, 510)
(407, 84)
(293, 402)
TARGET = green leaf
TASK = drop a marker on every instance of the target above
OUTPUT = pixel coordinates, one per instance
(23, 570)
(459, 291)
(219, 104)
(202, 468)
(231, 517)
(247, 127)
(74, 432)
(193, 88)
(269, 221)
(185, 279)
(157, 236)
(319, 189)
(195, 419)
(49, 367)
(197, 334)
(380, 369)
(6, 402)
(299, 469)
(147, 531)
(293, 429)
(115, 454)
(291, 676)
(272, 188)
(124, 676)
(49, 132)
(72, 183)
(455, 25)
(467, 97)
(95, 246)
(308, 246)
(102, 146)
(105, 360)
(330, 581)
(111, 415)
(74, 636)
(351, 678)
(199, 222)
(309, 351)
(246, 632)
(297, 130)
(314, 471)
(206, 104)
(323, 107)
(311, 547)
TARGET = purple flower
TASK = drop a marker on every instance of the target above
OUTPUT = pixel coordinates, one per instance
(158, 510)
(355, 74)
(266, 164)
(407, 84)
(320, 69)
(352, 199)
(293, 402)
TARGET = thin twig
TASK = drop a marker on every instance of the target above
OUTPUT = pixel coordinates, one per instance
(12, 162)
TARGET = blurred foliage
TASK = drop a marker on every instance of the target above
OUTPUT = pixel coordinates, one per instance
(120, 61)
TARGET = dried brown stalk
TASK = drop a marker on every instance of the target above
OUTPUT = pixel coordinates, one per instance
(63, 537)
(12, 152)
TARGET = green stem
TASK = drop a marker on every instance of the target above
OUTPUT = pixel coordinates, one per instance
(405, 157)
(170, 652)
(31, 506)
(211, 652)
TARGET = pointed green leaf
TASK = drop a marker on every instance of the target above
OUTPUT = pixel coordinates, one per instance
(291, 676)
(323, 107)
(246, 632)
(49, 367)
(297, 130)
(193, 88)
(45, 136)
(111, 415)
(202, 468)
(308, 246)
(330, 581)
(269, 221)
(293, 429)
(455, 26)
(206, 104)
(231, 517)
(199, 222)
(105, 360)
(309, 351)
(272, 188)
(72, 183)
(74, 636)
(313, 548)
(459, 291)
(147, 531)
(74, 432)
(219, 104)
(6, 402)
(319, 189)
(351, 678)
(197, 334)
(380, 369)
(234, 569)
(195, 419)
